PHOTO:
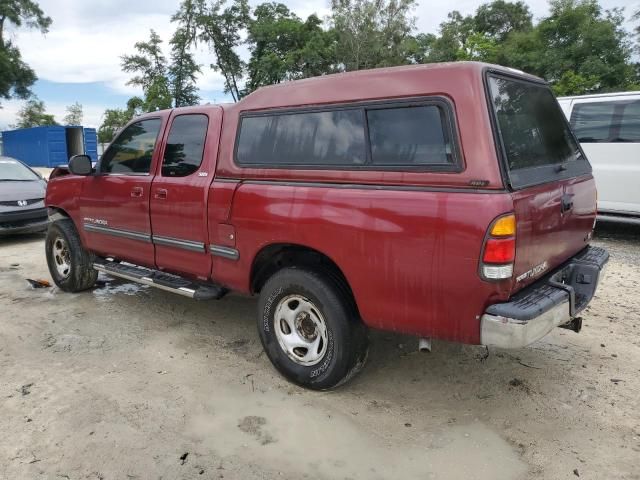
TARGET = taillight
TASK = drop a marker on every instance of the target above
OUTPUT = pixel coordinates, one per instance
(499, 251)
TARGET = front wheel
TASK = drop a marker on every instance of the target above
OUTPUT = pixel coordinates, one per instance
(70, 265)
(309, 329)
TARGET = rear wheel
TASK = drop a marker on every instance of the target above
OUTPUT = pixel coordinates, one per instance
(309, 329)
(70, 265)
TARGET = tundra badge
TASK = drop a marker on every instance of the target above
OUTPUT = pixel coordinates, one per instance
(534, 272)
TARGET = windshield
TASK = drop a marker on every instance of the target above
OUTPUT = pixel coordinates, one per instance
(13, 171)
(538, 144)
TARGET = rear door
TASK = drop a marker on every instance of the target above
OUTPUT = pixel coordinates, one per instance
(554, 192)
(180, 189)
(114, 204)
(608, 130)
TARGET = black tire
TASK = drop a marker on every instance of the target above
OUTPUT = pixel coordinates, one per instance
(347, 342)
(80, 274)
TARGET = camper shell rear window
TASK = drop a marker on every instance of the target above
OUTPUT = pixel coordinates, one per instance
(535, 140)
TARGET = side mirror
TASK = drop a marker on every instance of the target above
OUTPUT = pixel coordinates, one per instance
(80, 165)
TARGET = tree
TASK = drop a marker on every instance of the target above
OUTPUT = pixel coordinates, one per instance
(33, 114)
(16, 77)
(183, 69)
(74, 115)
(220, 26)
(454, 34)
(150, 67)
(372, 33)
(479, 36)
(115, 119)
(283, 47)
(498, 19)
(578, 48)
(636, 16)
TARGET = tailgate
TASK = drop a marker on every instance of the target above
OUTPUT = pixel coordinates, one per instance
(554, 193)
(554, 222)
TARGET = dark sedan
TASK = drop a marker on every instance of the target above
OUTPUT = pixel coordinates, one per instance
(22, 192)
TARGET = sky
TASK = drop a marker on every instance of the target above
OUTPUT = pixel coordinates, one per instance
(79, 59)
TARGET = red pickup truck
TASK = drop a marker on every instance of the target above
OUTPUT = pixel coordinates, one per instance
(449, 201)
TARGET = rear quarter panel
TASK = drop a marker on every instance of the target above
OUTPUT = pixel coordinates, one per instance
(410, 257)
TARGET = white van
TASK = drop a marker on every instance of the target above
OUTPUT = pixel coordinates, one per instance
(608, 128)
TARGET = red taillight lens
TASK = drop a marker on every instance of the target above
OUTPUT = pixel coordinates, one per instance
(500, 250)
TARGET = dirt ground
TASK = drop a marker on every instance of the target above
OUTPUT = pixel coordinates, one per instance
(127, 382)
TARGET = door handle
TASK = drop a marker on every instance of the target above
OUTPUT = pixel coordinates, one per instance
(566, 203)
(137, 191)
(161, 193)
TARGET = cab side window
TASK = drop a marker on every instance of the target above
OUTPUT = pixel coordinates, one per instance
(185, 145)
(131, 153)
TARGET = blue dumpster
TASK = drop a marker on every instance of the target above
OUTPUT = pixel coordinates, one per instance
(49, 146)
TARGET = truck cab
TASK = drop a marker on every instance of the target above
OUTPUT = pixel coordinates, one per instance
(446, 201)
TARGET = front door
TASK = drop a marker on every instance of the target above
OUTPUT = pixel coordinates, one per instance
(179, 192)
(114, 204)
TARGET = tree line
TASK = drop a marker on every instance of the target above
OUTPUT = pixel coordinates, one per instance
(578, 47)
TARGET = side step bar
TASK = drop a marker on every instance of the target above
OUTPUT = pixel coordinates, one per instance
(162, 280)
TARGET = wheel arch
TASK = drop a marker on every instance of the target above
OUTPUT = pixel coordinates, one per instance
(57, 213)
(274, 257)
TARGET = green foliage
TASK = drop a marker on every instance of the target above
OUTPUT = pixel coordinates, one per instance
(450, 45)
(578, 47)
(283, 47)
(479, 47)
(183, 69)
(16, 77)
(572, 83)
(481, 36)
(219, 25)
(115, 119)
(498, 19)
(150, 68)
(372, 33)
(33, 114)
(74, 115)
(578, 36)
(23, 12)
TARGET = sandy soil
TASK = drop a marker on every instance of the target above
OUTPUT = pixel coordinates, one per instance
(125, 382)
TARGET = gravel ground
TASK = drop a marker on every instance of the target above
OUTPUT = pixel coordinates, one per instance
(126, 382)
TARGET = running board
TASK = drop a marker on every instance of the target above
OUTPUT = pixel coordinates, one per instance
(162, 280)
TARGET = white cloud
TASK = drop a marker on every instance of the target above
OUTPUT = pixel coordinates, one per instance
(75, 54)
(8, 113)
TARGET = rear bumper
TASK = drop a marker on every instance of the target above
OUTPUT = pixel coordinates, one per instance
(553, 301)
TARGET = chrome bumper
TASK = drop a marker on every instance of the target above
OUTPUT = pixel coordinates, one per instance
(553, 301)
(506, 332)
